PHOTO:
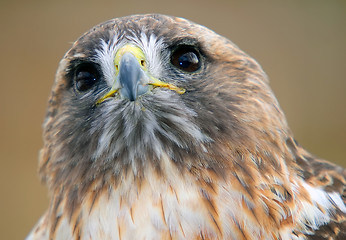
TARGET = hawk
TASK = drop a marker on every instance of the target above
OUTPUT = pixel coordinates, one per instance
(159, 128)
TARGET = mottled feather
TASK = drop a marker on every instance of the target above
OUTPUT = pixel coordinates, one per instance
(217, 162)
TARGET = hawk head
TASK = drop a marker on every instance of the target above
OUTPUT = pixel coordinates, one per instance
(157, 123)
(136, 89)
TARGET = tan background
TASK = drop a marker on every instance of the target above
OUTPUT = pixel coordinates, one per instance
(301, 44)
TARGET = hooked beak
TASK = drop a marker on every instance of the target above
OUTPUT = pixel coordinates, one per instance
(132, 76)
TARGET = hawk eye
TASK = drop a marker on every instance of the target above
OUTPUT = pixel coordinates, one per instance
(85, 77)
(186, 58)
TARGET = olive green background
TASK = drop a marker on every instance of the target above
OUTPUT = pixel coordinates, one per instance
(301, 44)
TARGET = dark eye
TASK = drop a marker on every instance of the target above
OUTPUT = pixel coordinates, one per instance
(186, 58)
(86, 76)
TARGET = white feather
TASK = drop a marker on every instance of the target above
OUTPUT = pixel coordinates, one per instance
(105, 57)
(319, 210)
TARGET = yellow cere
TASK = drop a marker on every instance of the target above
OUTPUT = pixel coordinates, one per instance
(136, 51)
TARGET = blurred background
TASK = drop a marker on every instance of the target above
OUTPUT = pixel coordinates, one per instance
(301, 44)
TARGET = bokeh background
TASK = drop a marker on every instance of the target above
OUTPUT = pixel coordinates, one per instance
(301, 44)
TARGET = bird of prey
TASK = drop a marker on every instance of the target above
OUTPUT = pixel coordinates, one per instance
(159, 128)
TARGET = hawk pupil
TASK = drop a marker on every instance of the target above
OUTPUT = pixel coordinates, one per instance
(186, 58)
(85, 77)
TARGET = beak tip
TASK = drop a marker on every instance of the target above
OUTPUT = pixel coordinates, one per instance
(128, 94)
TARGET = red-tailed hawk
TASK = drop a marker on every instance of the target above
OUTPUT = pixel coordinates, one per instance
(158, 128)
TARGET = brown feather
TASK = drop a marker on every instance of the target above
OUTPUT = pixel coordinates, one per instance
(217, 162)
